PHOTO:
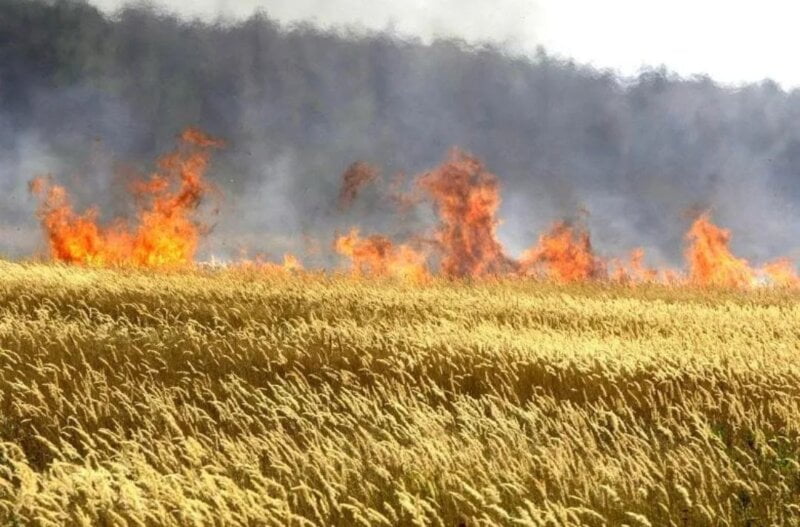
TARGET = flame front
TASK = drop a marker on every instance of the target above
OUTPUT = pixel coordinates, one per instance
(378, 256)
(463, 242)
(634, 270)
(564, 255)
(711, 262)
(166, 233)
(291, 264)
(782, 273)
(466, 198)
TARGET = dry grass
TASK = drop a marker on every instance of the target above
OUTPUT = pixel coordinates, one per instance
(228, 398)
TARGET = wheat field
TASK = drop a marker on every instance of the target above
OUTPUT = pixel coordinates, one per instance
(233, 397)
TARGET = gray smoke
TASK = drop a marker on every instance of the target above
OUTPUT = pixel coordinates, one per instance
(89, 99)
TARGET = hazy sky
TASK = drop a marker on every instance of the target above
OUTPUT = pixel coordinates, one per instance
(733, 41)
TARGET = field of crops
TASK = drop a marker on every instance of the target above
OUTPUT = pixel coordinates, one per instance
(245, 398)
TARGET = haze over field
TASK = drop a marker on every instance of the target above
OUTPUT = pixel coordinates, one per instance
(93, 98)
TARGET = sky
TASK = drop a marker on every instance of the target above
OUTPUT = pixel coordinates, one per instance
(732, 41)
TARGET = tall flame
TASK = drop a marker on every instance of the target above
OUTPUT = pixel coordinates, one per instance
(710, 259)
(466, 197)
(378, 256)
(166, 233)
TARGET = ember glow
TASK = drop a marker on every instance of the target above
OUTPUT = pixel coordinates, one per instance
(165, 233)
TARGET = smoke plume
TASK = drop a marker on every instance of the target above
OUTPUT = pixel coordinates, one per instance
(93, 100)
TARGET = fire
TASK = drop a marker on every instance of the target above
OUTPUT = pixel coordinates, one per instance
(781, 273)
(634, 270)
(712, 263)
(290, 264)
(378, 256)
(357, 175)
(466, 197)
(166, 233)
(710, 259)
(564, 254)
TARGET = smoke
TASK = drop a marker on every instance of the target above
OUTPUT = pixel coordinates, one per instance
(91, 99)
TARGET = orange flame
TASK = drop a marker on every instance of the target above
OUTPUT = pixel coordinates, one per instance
(378, 256)
(710, 259)
(634, 271)
(466, 197)
(291, 264)
(166, 234)
(781, 273)
(712, 263)
(564, 254)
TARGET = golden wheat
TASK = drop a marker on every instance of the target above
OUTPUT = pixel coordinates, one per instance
(243, 398)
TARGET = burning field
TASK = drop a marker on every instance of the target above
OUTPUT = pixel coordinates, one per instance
(430, 380)
(464, 195)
